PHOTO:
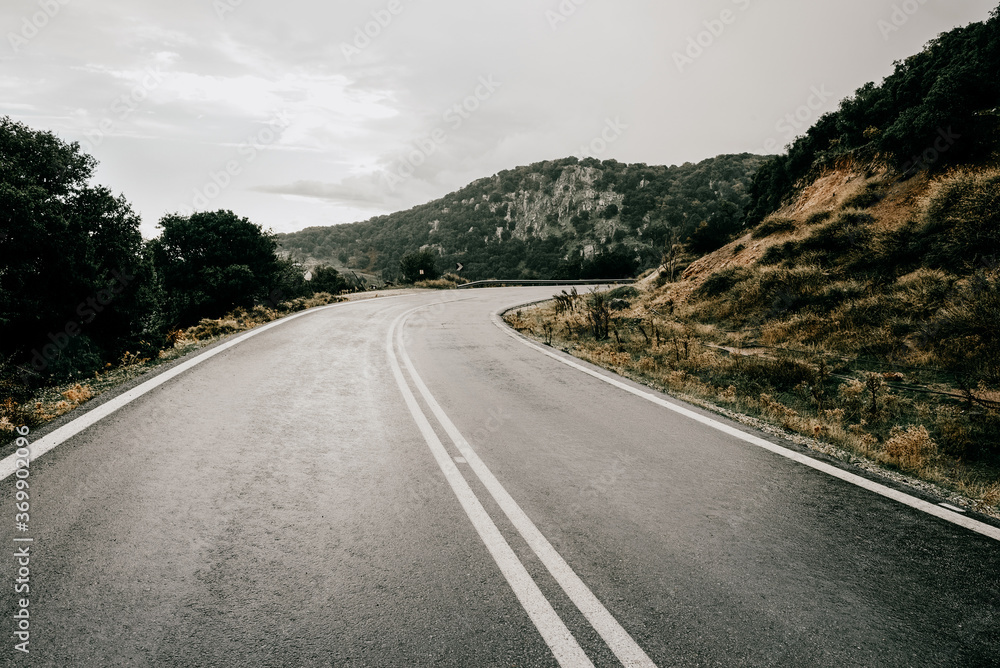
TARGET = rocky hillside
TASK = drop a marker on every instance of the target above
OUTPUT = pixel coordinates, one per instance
(558, 219)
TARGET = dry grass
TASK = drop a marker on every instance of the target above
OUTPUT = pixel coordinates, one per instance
(912, 449)
(811, 392)
(865, 314)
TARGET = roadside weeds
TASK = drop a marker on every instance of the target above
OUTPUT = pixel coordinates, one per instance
(864, 418)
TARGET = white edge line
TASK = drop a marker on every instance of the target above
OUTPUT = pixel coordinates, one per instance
(554, 632)
(870, 485)
(617, 638)
(55, 438)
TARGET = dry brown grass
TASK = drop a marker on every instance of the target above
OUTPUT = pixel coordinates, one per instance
(861, 412)
(911, 449)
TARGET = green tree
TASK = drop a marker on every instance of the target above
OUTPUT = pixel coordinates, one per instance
(328, 279)
(418, 266)
(212, 262)
(76, 286)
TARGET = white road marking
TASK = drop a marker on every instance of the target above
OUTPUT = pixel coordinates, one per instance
(617, 638)
(461, 460)
(888, 492)
(70, 429)
(560, 640)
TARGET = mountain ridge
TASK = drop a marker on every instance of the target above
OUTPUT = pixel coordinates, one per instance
(554, 219)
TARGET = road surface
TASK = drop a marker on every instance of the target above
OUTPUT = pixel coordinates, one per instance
(401, 482)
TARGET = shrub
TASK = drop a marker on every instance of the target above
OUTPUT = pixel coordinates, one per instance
(722, 281)
(869, 196)
(207, 328)
(626, 292)
(757, 374)
(819, 217)
(598, 315)
(14, 415)
(773, 226)
(78, 394)
(778, 253)
(965, 333)
(964, 209)
(912, 449)
(834, 243)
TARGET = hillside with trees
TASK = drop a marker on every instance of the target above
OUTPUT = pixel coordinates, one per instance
(938, 108)
(561, 219)
(860, 307)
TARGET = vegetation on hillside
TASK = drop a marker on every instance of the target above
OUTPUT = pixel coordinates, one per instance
(566, 218)
(862, 305)
(938, 108)
(882, 341)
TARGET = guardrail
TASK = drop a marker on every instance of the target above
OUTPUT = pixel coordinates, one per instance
(497, 281)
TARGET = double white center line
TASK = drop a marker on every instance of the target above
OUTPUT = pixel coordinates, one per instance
(557, 636)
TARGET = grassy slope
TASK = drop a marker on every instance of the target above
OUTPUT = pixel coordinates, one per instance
(849, 316)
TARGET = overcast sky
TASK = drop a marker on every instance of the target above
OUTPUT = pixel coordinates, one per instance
(301, 113)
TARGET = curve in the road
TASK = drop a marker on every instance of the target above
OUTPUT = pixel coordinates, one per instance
(846, 476)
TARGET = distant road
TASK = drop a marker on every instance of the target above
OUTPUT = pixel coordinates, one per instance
(401, 482)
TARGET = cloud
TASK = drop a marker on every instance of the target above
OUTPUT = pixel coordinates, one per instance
(364, 192)
(355, 122)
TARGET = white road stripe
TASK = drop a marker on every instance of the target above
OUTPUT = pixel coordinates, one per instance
(616, 637)
(70, 429)
(559, 638)
(888, 492)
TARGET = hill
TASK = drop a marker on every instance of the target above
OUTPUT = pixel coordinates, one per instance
(860, 306)
(565, 218)
(938, 108)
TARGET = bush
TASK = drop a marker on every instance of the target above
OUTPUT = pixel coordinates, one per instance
(212, 262)
(964, 209)
(911, 449)
(626, 292)
(819, 217)
(598, 315)
(722, 281)
(835, 243)
(773, 226)
(869, 196)
(965, 333)
(419, 266)
(758, 374)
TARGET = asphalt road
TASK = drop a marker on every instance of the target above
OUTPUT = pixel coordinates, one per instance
(400, 482)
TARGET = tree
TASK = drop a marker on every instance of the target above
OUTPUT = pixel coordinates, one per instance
(212, 262)
(76, 286)
(328, 279)
(418, 266)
